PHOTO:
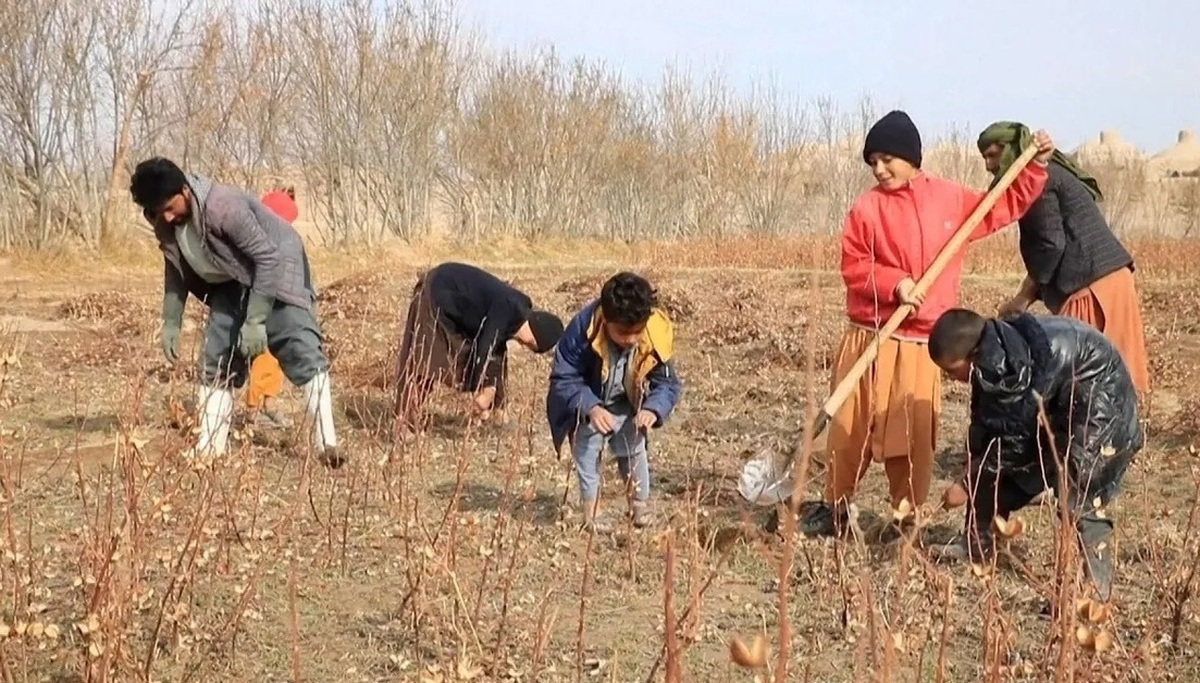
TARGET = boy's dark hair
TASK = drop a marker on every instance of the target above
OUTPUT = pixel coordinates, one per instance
(154, 181)
(955, 335)
(627, 299)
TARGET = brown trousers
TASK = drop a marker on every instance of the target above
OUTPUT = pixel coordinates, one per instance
(892, 416)
(432, 353)
(1110, 304)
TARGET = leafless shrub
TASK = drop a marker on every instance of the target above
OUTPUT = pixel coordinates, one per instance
(393, 122)
(373, 105)
(43, 67)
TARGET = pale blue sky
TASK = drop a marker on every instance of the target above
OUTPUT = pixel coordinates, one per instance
(1069, 66)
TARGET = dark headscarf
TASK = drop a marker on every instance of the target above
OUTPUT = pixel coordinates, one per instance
(1014, 138)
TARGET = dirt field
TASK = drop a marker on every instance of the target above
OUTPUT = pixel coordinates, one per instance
(453, 558)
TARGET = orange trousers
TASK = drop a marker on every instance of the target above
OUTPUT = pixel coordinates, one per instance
(892, 417)
(266, 380)
(1111, 305)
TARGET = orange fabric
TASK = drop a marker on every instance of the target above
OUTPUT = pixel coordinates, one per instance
(1111, 305)
(890, 235)
(266, 380)
(892, 416)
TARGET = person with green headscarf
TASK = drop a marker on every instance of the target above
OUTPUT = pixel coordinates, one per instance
(1074, 263)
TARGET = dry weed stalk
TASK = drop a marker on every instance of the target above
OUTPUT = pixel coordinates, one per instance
(545, 623)
(714, 572)
(293, 618)
(1180, 585)
(696, 553)
(584, 593)
(510, 574)
(491, 552)
(800, 478)
(674, 667)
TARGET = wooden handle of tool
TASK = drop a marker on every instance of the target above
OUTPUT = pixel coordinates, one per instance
(846, 387)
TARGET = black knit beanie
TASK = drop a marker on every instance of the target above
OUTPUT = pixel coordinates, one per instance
(547, 328)
(894, 134)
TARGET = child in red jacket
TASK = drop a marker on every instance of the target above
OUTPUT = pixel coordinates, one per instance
(892, 235)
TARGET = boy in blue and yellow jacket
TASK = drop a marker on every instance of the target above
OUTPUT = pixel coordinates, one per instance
(613, 379)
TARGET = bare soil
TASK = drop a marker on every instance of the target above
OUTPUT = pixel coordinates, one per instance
(455, 558)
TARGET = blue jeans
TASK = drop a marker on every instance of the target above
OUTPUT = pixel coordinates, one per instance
(628, 446)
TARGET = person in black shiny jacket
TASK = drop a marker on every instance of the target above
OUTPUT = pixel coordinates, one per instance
(1052, 405)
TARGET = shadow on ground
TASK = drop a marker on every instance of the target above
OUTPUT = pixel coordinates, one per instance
(949, 463)
(82, 424)
(476, 497)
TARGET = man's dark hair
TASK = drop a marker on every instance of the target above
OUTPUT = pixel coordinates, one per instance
(955, 335)
(154, 181)
(627, 299)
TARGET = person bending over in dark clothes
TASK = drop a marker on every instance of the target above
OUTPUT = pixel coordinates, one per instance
(460, 320)
(1050, 395)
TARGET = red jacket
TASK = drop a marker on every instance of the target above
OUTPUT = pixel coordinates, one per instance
(891, 235)
(281, 203)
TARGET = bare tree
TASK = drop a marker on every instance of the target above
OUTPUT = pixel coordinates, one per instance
(391, 121)
(771, 196)
(42, 64)
(836, 174)
(634, 197)
(535, 140)
(1185, 195)
(139, 37)
(372, 106)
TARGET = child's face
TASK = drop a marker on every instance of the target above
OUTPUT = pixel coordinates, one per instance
(957, 369)
(891, 172)
(624, 335)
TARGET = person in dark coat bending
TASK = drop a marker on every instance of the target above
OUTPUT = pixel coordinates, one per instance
(460, 320)
(1050, 396)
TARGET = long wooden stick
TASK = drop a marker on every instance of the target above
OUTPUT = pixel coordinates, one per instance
(960, 237)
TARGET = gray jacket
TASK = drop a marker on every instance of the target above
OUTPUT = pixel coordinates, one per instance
(245, 239)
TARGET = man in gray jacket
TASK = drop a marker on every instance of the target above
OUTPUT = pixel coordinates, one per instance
(249, 267)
